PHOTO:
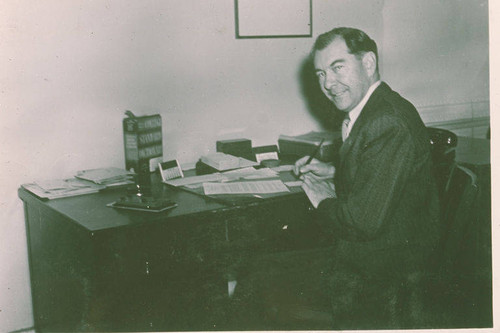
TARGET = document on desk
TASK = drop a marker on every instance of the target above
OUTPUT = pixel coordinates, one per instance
(213, 177)
(283, 168)
(251, 173)
(254, 187)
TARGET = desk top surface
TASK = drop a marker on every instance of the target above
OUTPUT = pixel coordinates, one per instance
(91, 212)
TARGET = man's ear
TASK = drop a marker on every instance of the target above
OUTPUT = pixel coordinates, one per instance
(370, 63)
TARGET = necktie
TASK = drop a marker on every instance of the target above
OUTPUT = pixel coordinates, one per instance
(345, 125)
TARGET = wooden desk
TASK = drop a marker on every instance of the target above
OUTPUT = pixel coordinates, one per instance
(97, 268)
(94, 268)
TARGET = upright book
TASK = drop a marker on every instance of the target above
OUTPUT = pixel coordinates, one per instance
(142, 138)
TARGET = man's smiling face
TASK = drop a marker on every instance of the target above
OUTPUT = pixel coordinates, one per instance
(343, 76)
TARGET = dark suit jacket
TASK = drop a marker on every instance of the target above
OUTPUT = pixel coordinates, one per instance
(385, 216)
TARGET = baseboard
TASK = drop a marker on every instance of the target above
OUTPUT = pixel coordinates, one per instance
(24, 330)
(460, 123)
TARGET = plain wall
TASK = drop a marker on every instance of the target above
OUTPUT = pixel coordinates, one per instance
(69, 70)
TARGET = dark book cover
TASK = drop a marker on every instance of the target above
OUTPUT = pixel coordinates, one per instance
(143, 142)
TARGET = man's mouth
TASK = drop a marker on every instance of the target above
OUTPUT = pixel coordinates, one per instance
(338, 94)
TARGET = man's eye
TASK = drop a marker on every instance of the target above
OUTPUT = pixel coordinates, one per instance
(337, 68)
(320, 75)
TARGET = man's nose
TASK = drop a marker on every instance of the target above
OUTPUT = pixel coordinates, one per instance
(329, 80)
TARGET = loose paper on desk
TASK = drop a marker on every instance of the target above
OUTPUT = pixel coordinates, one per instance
(294, 183)
(107, 176)
(283, 168)
(264, 186)
(212, 177)
(250, 173)
(61, 188)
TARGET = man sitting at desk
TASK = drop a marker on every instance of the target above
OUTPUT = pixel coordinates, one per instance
(380, 201)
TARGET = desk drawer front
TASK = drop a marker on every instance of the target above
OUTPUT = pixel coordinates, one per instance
(164, 248)
(278, 226)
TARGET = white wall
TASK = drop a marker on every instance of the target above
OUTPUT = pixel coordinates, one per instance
(69, 69)
(435, 53)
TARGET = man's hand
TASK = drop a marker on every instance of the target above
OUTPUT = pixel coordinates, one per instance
(317, 190)
(316, 168)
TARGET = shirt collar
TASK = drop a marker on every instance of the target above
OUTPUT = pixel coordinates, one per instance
(354, 113)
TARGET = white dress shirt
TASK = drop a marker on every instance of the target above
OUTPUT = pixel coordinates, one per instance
(354, 113)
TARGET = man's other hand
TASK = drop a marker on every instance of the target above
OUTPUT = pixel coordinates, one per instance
(318, 190)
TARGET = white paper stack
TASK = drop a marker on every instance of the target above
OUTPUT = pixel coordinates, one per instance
(260, 187)
(62, 188)
(223, 162)
(107, 176)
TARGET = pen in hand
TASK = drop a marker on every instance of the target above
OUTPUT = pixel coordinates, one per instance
(315, 152)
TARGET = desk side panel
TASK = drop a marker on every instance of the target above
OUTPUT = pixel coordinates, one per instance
(60, 269)
(162, 275)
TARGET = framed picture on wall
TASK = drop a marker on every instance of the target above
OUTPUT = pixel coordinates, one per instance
(273, 18)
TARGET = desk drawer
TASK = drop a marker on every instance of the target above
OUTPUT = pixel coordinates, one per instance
(167, 249)
(273, 227)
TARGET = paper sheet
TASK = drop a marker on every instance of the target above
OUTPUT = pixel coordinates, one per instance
(265, 186)
(250, 173)
(105, 175)
(272, 155)
(294, 183)
(61, 188)
(282, 168)
(213, 177)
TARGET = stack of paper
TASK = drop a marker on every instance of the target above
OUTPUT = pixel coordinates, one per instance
(193, 180)
(61, 188)
(223, 162)
(107, 176)
(250, 173)
(260, 187)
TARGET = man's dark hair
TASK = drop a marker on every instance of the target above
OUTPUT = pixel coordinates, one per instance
(358, 42)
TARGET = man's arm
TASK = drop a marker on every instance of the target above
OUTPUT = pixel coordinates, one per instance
(384, 167)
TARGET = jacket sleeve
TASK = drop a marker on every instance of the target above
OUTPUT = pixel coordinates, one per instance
(384, 164)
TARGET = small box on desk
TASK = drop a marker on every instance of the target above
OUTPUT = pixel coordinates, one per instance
(306, 144)
(236, 147)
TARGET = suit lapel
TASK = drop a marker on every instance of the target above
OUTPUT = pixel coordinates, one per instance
(363, 119)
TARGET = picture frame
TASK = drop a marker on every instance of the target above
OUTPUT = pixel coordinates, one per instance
(273, 18)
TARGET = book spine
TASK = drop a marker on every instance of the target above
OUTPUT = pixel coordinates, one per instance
(131, 144)
(150, 142)
(143, 142)
(150, 151)
(150, 138)
(149, 123)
